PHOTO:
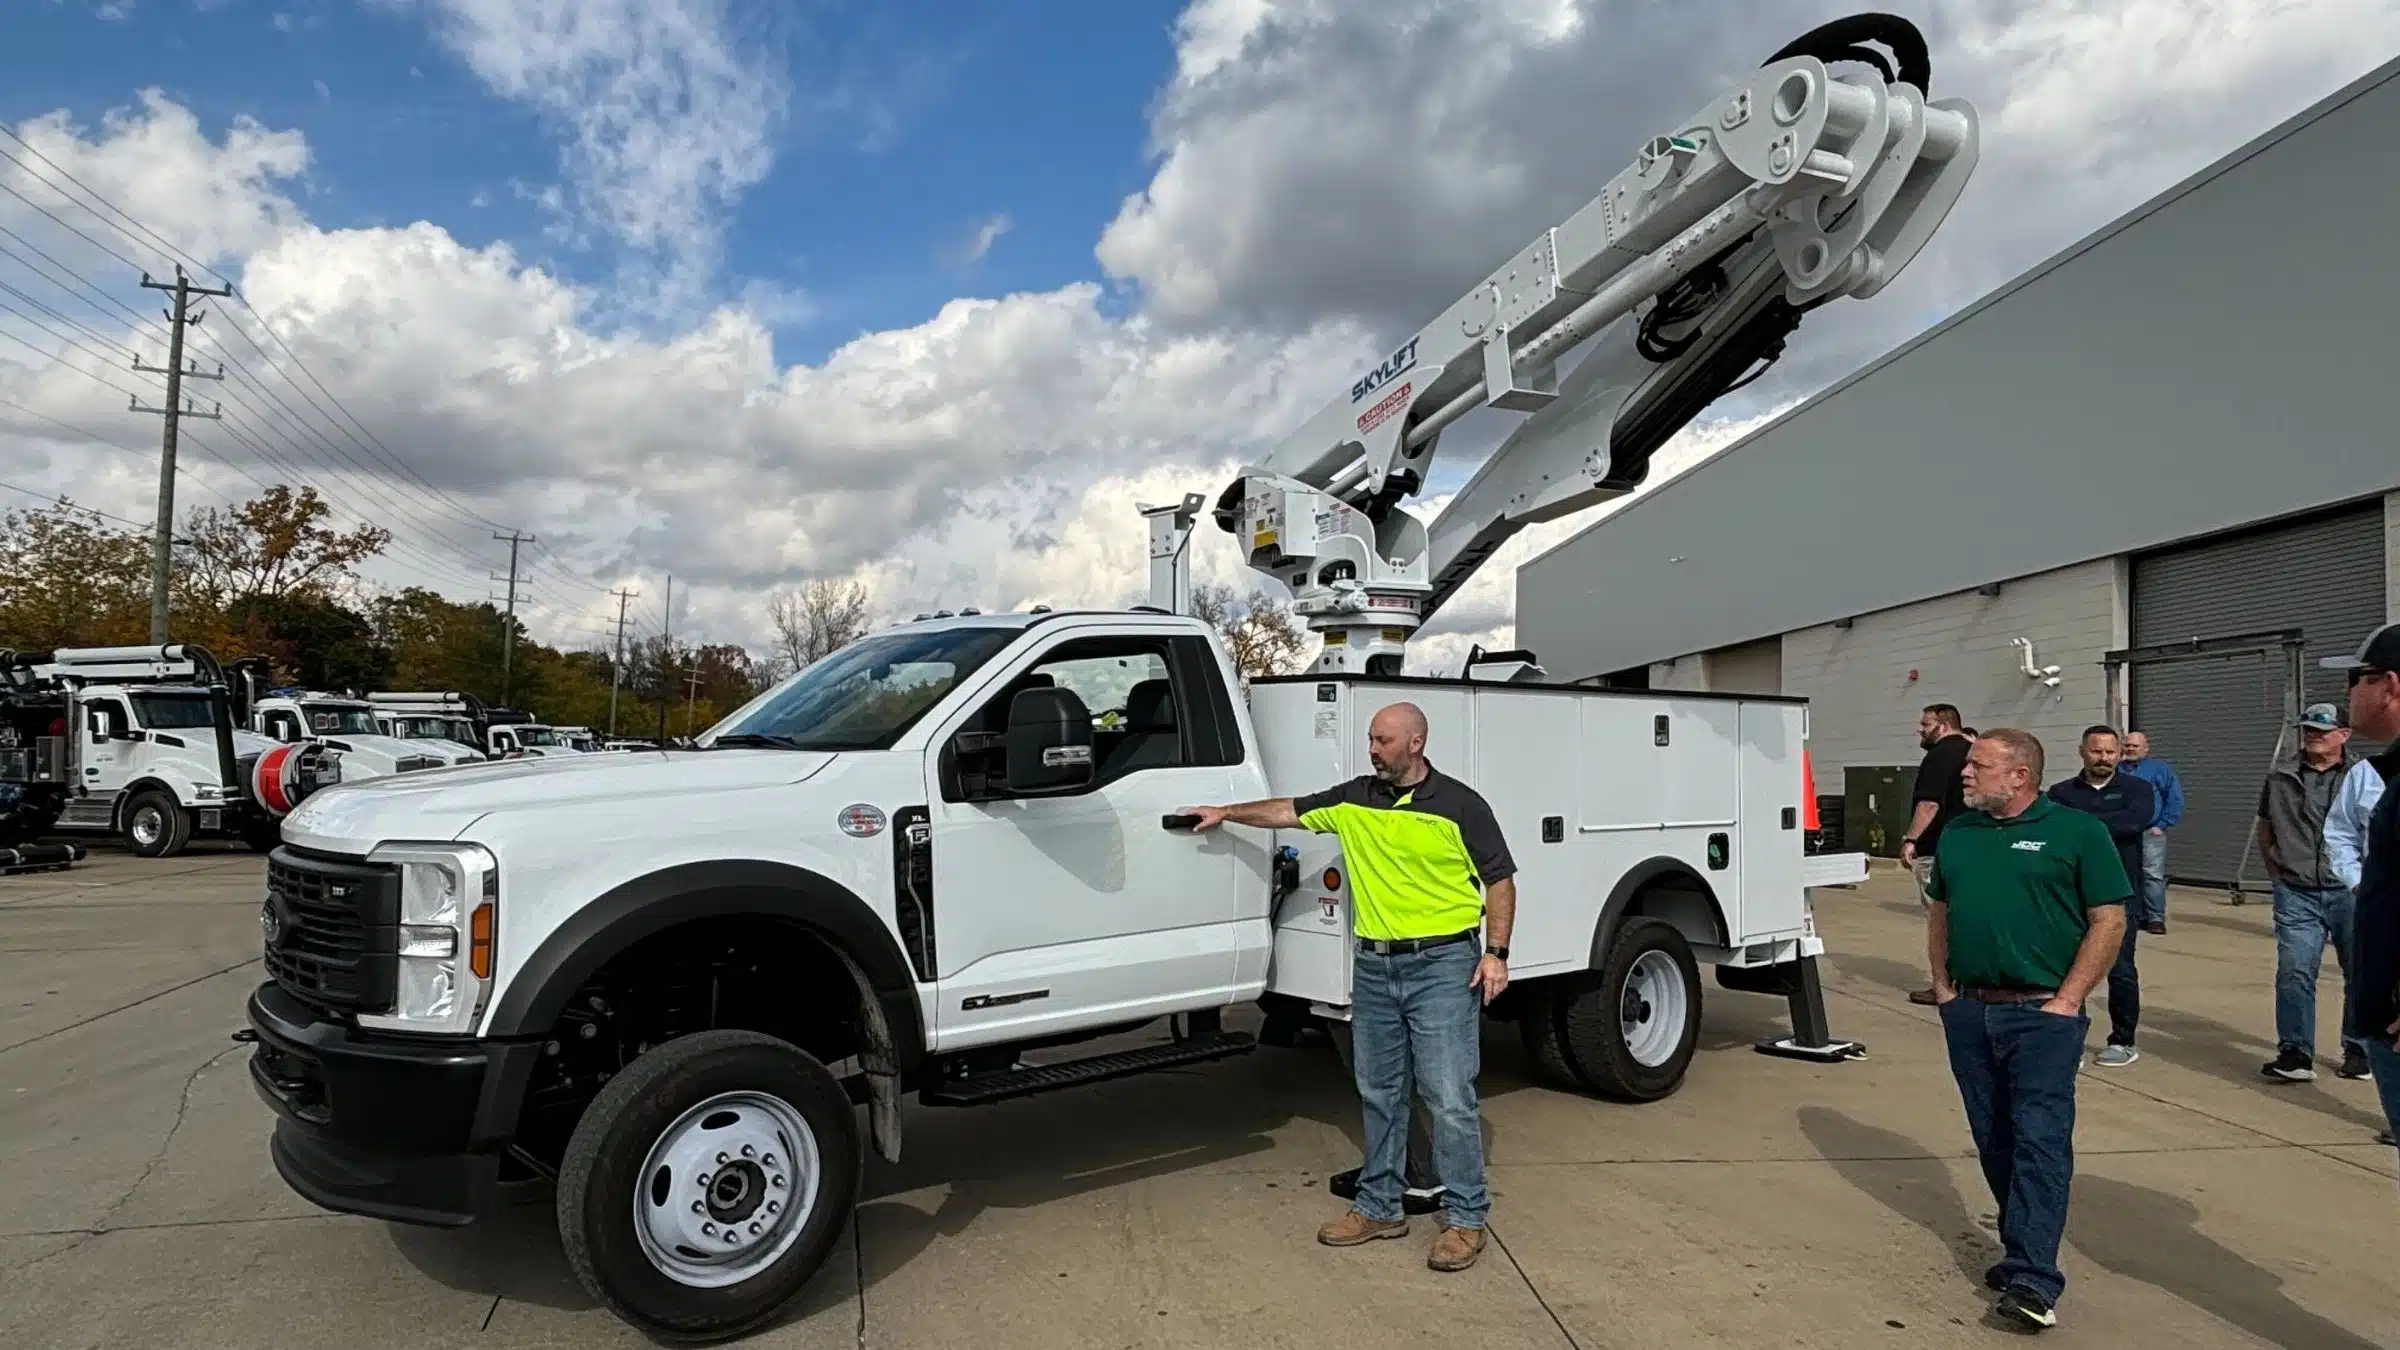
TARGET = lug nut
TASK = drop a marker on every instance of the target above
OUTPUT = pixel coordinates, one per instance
(709, 1228)
(754, 1230)
(749, 1152)
(779, 1183)
(769, 1160)
(774, 1206)
(698, 1208)
(723, 1159)
(732, 1236)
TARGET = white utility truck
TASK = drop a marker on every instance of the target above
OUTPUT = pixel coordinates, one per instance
(452, 721)
(350, 725)
(140, 742)
(663, 981)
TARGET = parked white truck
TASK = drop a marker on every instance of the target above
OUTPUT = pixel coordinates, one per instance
(665, 981)
(350, 725)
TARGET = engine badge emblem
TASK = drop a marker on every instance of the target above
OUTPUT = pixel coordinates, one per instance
(861, 821)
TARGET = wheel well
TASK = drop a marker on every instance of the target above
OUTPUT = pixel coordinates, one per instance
(1668, 890)
(734, 971)
(135, 789)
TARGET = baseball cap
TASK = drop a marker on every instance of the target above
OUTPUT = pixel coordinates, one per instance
(2381, 651)
(2321, 717)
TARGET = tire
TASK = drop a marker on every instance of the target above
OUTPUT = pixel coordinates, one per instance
(156, 826)
(632, 1250)
(1538, 1030)
(1630, 1033)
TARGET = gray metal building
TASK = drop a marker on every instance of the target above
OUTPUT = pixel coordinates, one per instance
(2179, 433)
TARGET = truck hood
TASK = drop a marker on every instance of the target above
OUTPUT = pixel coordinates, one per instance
(250, 743)
(439, 803)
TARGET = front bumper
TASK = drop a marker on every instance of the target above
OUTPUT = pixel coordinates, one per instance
(389, 1126)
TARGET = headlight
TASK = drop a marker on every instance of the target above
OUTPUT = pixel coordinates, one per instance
(449, 924)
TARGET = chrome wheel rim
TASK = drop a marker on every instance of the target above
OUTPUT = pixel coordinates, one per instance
(149, 826)
(726, 1189)
(1655, 1010)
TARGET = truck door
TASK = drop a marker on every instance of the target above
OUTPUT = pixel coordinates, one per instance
(1054, 913)
(106, 760)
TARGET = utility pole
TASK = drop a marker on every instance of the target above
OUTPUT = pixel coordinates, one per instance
(666, 649)
(162, 532)
(691, 700)
(508, 625)
(616, 665)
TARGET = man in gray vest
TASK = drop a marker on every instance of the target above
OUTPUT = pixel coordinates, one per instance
(2311, 903)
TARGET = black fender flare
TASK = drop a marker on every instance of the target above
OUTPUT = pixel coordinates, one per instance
(652, 904)
(1640, 877)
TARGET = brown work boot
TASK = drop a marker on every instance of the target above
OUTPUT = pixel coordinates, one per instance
(1923, 998)
(1355, 1229)
(1456, 1248)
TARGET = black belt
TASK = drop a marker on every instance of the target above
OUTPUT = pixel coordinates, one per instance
(2005, 997)
(1402, 946)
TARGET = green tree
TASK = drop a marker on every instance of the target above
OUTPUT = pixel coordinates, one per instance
(70, 579)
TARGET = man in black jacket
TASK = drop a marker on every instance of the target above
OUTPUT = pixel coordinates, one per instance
(2126, 805)
(2374, 991)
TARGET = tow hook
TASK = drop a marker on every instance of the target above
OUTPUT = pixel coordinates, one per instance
(246, 1036)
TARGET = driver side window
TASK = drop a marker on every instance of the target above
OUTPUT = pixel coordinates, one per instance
(1128, 685)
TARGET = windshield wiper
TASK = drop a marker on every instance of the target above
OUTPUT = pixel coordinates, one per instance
(741, 739)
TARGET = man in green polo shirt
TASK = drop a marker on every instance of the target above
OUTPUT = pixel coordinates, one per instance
(1432, 901)
(2027, 915)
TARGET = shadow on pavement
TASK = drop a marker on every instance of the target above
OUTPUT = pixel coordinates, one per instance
(2153, 1237)
(2205, 1045)
(1905, 1177)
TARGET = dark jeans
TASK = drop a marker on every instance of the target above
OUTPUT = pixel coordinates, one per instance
(2386, 1062)
(2306, 918)
(1416, 1020)
(2125, 990)
(2015, 1066)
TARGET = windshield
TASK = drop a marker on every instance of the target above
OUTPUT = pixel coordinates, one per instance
(334, 719)
(865, 695)
(536, 736)
(420, 728)
(172, 712)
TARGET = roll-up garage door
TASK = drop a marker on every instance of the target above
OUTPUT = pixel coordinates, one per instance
(2217, 722)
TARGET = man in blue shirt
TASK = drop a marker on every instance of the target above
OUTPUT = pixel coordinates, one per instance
(2151, 902)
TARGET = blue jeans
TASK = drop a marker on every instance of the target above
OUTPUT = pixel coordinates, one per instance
(2015, 1067)
(2125, 990)
(2385, 1061)
(2304, 919)
(1415, 1017)
(2153, 906)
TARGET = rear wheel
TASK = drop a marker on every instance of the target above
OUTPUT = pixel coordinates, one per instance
(707, 1182)
(156, 826)
(1538, 1029)
(1630, 1034)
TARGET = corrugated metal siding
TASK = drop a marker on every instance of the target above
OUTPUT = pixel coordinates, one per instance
(2217, 721)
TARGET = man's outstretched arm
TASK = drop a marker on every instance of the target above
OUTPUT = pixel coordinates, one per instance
(1275, 813)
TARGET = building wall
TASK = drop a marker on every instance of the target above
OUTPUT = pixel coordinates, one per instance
(1749, 668)
(1863, 705)
(2220, 357)
(2391, 558)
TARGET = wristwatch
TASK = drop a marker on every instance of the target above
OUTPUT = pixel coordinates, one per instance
(1501, 952)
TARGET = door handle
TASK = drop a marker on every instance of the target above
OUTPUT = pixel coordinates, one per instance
(1184, 821)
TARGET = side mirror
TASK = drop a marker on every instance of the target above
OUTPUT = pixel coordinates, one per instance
(1049, 742)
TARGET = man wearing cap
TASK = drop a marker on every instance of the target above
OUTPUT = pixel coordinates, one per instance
(2311, 903)
(1433, 898)
(2372, 989)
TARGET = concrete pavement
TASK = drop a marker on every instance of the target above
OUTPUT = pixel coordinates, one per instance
(1769, 1202)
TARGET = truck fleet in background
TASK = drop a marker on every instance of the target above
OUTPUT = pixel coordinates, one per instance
(159, 745)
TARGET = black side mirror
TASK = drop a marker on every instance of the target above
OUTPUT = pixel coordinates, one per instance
(1049, 742)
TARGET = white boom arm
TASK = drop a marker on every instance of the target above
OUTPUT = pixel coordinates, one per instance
(1692, 267)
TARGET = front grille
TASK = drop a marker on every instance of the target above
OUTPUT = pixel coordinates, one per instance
(333, 930)
(411, 763)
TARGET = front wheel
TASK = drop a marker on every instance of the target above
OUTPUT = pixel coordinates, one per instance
(156, 826)
(707, 1182)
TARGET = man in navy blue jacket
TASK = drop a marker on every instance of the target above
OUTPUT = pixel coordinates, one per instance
(2127, 806)
(2373, 991)
(2150, 895)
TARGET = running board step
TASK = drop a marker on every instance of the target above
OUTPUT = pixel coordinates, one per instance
(982, 1088)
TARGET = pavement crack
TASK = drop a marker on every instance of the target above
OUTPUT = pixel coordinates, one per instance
(858, 1252)
(173, 1224)
(146, 998)
(1531, 1287)
(490, 1313)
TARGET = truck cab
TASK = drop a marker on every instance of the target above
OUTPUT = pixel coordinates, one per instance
(348, 725)
(581, 740)
(526, 740)
(901, 869)
(451, 737)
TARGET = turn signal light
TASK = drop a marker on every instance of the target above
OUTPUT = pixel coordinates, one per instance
(1333, 879)
(479, 942)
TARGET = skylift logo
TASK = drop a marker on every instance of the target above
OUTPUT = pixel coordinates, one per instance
(1396, 364)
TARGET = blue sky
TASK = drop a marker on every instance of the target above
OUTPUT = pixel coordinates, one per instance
(913, 125)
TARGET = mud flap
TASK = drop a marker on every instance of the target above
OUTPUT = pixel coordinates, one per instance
(881, 1065)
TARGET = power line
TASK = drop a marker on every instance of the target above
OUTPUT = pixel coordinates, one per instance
(61, 499)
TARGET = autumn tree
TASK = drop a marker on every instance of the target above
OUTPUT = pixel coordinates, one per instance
(70, 579)
(276, 544)
(1261, 634)
(816, 619)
